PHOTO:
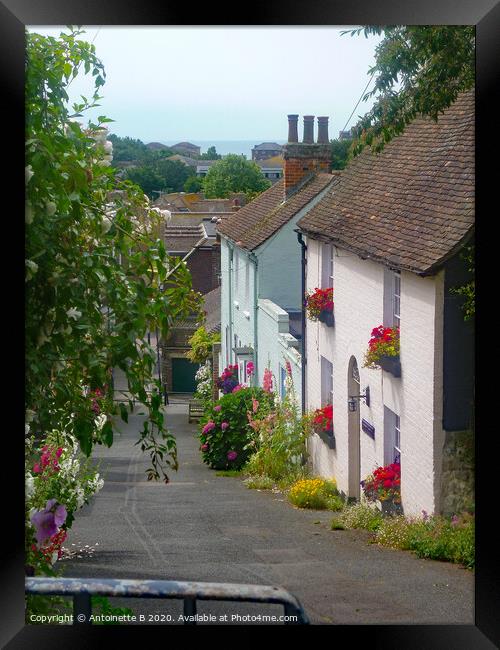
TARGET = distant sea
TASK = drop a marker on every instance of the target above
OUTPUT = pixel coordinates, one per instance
(224, 147)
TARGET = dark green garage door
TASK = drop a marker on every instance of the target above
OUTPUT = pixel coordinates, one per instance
(183, 372)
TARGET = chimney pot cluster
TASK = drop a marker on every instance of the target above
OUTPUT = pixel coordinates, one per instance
(308, 138)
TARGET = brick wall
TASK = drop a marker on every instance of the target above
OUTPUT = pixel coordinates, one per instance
(301, 159)
(204, 266)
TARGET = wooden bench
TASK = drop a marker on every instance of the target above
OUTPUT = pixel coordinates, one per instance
(195, 411)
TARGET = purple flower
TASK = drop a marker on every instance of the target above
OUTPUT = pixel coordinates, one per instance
(224, 425)
(208, 427)
(47, 521)
(232, 455)
(425, 516)
(217, 408)
(454, 520)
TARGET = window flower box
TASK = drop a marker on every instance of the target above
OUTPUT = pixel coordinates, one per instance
(327, 317)
(323, 424)
(384, 486)
(391, 364)
(383, 350)
(319, 305)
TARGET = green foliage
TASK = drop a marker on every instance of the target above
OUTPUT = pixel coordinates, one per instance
(468, 290)
(193, 184)
(102, 607)
(128, 149)
(419, 69)
(160, 174)
(234, 173)
(361, 515)
(316, 494)
(210, 154)
(220, 440)
(201, 345)
(436, 538)
(86, 312)
(340, 153)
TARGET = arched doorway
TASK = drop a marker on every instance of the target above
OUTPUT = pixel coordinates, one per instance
(353, 386)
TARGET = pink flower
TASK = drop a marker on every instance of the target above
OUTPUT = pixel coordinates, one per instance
(255, 405)
(208, 427)
(289, 367)
(224, 425)
(237, 388)
(232, 455)
(36, 468)
(250, 368)
(267, 382)
(217, 408)
(204, 447)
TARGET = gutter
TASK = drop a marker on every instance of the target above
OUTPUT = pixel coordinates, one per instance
(303, 341)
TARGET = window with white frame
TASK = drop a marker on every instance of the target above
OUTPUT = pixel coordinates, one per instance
(326, 266)
(392, 437)
(392, 298)
(396, 302)
(326, 382)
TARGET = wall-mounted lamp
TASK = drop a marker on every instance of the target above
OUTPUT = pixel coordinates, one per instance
(353, 399)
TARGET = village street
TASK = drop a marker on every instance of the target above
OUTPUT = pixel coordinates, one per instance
(208, 528)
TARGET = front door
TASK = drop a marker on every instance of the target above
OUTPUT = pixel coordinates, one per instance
(183, 375)
(354, 477)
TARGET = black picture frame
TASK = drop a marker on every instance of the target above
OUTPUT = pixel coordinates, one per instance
(485, 14)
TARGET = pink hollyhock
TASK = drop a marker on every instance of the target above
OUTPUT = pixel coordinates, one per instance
(255, 405)
(224, 425)
(217, 408)
(250, 368)
(267, 382)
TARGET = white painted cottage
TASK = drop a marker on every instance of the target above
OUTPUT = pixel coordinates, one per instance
(387, 235)
(261, 293)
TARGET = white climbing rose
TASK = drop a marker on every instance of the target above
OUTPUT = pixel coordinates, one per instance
(73, 313)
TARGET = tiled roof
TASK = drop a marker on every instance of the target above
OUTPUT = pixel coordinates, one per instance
(412, 205)
(255, 222)
(211, 307)
(264, 146)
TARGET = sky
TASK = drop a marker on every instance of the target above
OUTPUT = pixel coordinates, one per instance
(229, 83)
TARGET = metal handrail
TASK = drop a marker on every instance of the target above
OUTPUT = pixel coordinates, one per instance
(190, 592)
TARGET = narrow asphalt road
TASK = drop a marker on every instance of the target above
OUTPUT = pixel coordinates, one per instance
(208, 528)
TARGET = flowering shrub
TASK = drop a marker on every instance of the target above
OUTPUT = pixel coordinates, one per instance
(204, 383)
(384, 484)
(226, 433)
(228, 380)
(59, 481)
(317, 301)
(323, 418)
(315, 493)
(384, 341)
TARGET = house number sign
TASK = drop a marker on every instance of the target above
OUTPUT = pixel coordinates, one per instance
(368, 428)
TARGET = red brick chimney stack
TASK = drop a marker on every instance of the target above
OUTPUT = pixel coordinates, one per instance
(303, 159)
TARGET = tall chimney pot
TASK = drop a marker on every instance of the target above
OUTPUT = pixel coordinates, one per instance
(323, 130)
(308, 129)
(293, 135)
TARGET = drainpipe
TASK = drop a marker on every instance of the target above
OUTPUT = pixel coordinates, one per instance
(255, 261)
(230, 293)
(303, 346)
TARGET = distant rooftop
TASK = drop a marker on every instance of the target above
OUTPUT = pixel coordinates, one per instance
(272, 146)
